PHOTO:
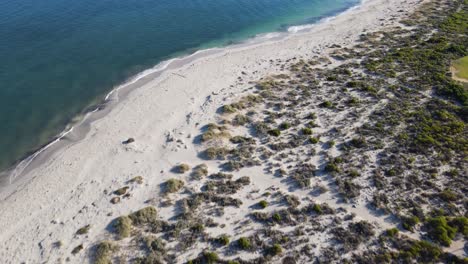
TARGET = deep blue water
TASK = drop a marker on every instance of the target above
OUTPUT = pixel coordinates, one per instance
(59, 57)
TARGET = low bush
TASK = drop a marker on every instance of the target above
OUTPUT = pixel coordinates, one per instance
(223, 240)
(144, 216)
(274, 132)
(173, 185)
(103, 252)
(306, 131)
(244, 243)
(181, 168)
(123, 226)
(263, 204)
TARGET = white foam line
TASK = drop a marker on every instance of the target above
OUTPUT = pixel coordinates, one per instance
(159, 68)
(25, 163)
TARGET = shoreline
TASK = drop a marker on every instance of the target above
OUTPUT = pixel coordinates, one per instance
(10, 177)
(66, 191)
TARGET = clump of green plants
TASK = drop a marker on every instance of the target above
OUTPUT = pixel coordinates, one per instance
(284, 126)
(228, 109)
(213, 132)
(173, 185)
(240, 120)
(448, 195)
(314, 140)
(326, 104)
(410, 222)
(216, 153)
(263, 204)
(244, 243)
(200, 171)
(274, 132)
(144, 216)
(181, 168)
(306, 131)
(317, 209)
(276, 217)
(155, 244)
(123, 226)
(276, 249)
(103, 252)
(210, 257)
(392, 232)
(332, 167)
(441, 231)
(223, 240)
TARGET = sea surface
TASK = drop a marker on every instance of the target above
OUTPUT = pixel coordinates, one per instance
(59, 58)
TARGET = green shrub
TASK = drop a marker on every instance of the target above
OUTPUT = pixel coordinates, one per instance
(326, 104)
(144, 216)
(460, 223)
(210, 257)
(263, 204)
(311, 116)
(228, 109)
(392, 232)
(276, 249)
(332, 167)
(223, 240)
(240, 120)
(173, 185)
(244, 243)
(123, 226)
(284, 126)
(306, 131)
(200, 171)
(440, 231)
(103, 252)
(216, 153)
(277, 217)
(317, 209)
(274, 132)
(181, 168)
(448, 195)
(409, 222)
(354, 173)
(314, 140)
(155, 244)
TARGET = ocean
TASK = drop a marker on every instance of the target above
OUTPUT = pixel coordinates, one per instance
(59, 58)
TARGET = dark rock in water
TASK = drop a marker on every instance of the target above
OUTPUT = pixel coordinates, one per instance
(115, 200)
(128, 141)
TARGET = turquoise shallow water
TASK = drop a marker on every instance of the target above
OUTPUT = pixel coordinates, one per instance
(59, 57)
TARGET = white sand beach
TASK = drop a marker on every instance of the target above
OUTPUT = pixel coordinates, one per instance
(72, 187)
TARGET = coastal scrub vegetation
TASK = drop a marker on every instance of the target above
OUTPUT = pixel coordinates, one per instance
(381, 121)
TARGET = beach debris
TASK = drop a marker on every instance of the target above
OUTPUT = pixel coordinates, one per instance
(77, 249)
(136, 179)
(83, 230)
(128, 141)
(121, 191)
(115, 200)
